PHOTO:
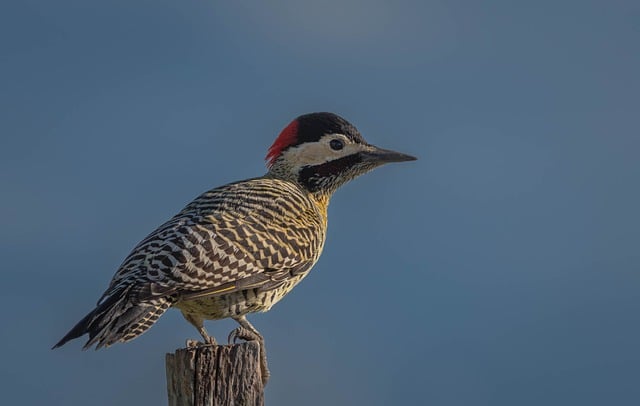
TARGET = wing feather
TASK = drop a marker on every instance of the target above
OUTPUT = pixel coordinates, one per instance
(224, 241)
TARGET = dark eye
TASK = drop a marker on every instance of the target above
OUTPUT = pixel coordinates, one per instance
(336, 144)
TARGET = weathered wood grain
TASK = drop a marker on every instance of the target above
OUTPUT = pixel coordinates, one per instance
(215, 375)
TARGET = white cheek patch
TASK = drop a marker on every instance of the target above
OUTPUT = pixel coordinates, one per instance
(306, 154)
(316, 153)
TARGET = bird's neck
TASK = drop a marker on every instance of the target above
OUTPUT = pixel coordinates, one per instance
(322, 201)
(320, 197)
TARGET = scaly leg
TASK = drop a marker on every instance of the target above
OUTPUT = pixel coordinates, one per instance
(198, 323)
(249, 333)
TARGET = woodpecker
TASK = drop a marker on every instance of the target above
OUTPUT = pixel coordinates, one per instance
(238, 248)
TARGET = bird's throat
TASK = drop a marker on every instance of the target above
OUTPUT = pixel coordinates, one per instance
(322, 202)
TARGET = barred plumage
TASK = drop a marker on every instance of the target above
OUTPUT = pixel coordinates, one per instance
(241, 247)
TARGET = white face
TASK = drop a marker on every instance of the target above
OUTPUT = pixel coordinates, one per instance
(316, 153)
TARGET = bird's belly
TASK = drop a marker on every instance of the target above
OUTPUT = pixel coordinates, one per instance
(237, 303)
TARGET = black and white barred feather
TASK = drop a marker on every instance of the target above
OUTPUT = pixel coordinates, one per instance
(242, 246)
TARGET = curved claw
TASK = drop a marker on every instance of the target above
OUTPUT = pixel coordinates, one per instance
(243, 334)
(211, 341)
(192, 343)
(249, 333)
(195, 343)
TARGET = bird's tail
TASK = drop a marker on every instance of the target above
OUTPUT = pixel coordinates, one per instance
(118, 318)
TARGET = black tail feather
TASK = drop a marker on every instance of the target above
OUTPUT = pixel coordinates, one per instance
(78, 330)
(119, 318)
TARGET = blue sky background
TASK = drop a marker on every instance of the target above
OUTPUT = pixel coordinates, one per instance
(501, 268)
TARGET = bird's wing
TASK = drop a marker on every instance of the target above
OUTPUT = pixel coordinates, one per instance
(221, 248)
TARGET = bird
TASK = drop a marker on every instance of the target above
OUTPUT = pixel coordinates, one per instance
(239, 248)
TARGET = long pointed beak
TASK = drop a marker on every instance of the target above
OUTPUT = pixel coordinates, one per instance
(381, 155)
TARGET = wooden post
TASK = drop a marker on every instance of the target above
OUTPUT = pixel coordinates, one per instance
(215, 375)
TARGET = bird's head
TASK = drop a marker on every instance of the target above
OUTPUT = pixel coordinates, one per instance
(322, 151)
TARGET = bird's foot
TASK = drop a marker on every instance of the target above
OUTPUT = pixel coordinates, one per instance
(210, 340)
(195, 343)
(245, 334)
